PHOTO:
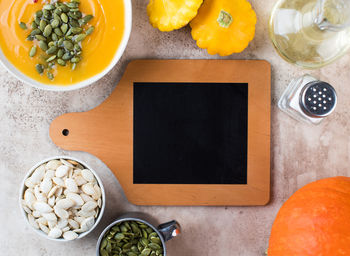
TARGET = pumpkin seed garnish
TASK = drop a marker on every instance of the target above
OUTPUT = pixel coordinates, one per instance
(22, 25)
(32, 51)
(39, 68)
(58, 29)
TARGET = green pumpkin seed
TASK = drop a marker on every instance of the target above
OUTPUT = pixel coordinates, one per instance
(60, 42)
(127, 246)
(48, 30)
(22, 25)
(144, 241)
(64, 8)
(51, 50)
(90, 30)
(50, 44)
(87, 18)
(156, 240)
(80, 38)
(42, 25)
(69, 32)
(40, 37)
(154, 246)
(46, 14)
(146, 252)
(74, 23)
(49, 7)
(66, 56)
(35, 32)
(51, 58)
(72, 5)
(119, 236)
(54, 37)
(61, 62)
(74, 66)
(32, 51)
(58, 32)
(77, 48)
(68, 45)
(37, 21)
(34, 25)
(39, 14)
(64, 18)
(39, 68)
(103, 243)
(132, 254)
(43, 45)
(60, 53)
(77, 30)
(58, 11)
(50, 75)
(55, 23)
(104, 253)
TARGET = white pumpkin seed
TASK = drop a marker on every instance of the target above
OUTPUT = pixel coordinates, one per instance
(79, 180)
(89, 206)
(52, 191)
(50, 217)
(38, 174)
(88, 223)
(65, 203)
(66, 163)
(53, 165)
(65, 229)
(58, 192)
(88, 189)
(61, 171)
(26, 209)
(62, 223)
(86, 198)
(58, 181)
(49, 174)
(42, 207)
(70, 235)
(87, 175)
(99, 202)
(28, 182)
(79, 219)
(36, 214)
(42, 220)
(61, 212)
(29, 198)
(51, 201)
(46, 185)
(32, 221)
(76, 198)
(55, 233)
(44, 228)
(52, 224)
(86, 214)
(79, 230)
(71, 185)
(74, 224)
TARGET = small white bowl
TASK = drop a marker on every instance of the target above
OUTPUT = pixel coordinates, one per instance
(27, 80)
(97, 220)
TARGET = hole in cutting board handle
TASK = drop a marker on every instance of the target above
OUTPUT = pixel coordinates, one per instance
(65, 132)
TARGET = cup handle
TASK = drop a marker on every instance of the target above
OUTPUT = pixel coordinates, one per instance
(169, 230)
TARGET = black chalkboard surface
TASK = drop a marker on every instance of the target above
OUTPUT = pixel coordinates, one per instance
(190, 133)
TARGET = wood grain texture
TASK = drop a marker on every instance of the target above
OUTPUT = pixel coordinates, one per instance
(107, 131)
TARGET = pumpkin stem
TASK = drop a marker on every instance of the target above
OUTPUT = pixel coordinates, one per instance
(224, 19)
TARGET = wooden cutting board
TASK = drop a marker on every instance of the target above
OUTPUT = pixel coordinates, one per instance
(182, 132)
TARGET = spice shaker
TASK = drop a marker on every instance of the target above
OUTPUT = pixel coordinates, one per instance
(308, 99)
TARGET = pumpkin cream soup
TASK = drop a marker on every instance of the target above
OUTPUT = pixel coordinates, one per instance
(57, 46)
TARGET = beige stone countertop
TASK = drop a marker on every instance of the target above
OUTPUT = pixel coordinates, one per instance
(299, 153)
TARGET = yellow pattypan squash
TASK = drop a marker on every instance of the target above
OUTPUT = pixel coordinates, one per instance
(167, 15)
(224, 26)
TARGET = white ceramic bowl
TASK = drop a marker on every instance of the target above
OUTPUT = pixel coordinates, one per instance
(97, 220)
(27, 80)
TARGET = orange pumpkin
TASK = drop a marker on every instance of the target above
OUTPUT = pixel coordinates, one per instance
(314, 221)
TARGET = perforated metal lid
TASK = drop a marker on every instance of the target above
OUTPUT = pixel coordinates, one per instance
(318, 99)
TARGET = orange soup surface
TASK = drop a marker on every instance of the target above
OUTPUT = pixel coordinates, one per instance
(98, 49)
